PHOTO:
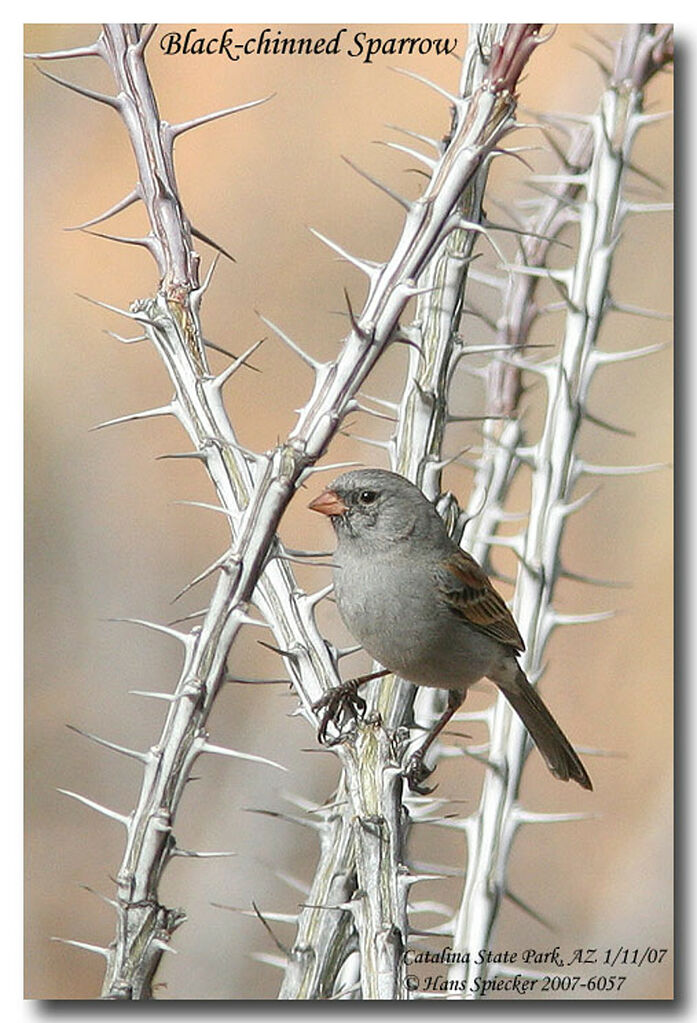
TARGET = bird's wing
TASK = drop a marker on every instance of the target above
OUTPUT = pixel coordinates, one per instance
(468, 591)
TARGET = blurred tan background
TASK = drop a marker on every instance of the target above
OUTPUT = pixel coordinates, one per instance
(105, 537)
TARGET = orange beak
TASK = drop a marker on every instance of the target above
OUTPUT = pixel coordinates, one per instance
(328, 503)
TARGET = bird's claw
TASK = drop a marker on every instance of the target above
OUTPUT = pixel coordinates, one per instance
(332, 706)
(416, 772)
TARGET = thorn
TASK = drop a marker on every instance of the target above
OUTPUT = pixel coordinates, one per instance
(281, 918)
(635, 310)
(111, 101)
(104, 898)
(218, 563)
(290, 818)
(309, 554)
(125, 340)
(163, 946)
(455, 100)
(312, 599)
(148, 242)
(591, 751)
(290, 654)
(522, 232)
(407, 880)
(310, 471)
(467, 349)
(415, 135)
(561, 200)
(488, 280)
(190, 854)
(209, 241)
(440, 868)
(404, 203)
(182, 454)
(560, 278)
(428, 906)
(263, 957)
(366, 266)
(592, 581)
(174, 130)
(115, 309)
(308, 805)
(314, 364)
(359, 407)
(521, 816)
(106, 952)
(640, 172)
(222, 378)
(365, 335)
(413, 290)
(203, 504)
(152, 413)
(605, 425)
(529, 910)
(392, 406)
(573, 506)
(122, 204)
(135, 754)
(516, 543)
(167, 697)
(346, 651)
(121, 818)
(93, 50)
(367, 440)
(223, 751)
(293, 882)
(189, 617)
(618, 470)
(430, 163)
(226, 351)
(604, 358)
(648, 207)
(312, 553)
(560, 120)
(206, 283)
(304, 561)
(487, 418)
(183, 637)
(557, 618)
(256, 681)
(541, 369)
(279, 944)
(653, 118)
(479, 314)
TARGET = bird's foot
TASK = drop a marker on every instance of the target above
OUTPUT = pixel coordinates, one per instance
(416, 772)
(335, 703)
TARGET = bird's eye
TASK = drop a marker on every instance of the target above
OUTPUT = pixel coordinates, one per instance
(367, 496)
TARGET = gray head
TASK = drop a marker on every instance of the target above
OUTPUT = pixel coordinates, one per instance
(377, 507)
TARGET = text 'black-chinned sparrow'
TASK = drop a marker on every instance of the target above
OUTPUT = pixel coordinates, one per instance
(424, 609)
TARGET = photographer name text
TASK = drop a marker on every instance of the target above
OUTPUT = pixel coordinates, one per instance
(509, 971)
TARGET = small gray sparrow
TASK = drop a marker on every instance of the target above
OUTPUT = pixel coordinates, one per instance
(424, 609)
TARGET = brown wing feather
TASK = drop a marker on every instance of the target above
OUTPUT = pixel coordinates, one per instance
(466, 587)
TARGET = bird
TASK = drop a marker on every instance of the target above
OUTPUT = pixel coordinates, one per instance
(425, 610)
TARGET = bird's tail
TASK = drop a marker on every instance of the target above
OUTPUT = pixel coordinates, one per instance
(557, 751)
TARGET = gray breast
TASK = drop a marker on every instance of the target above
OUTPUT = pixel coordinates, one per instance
(392, 608)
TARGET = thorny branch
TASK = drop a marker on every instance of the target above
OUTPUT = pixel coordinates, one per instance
(590, 192)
